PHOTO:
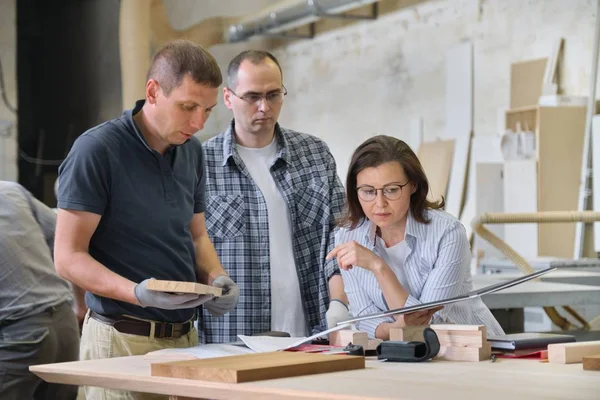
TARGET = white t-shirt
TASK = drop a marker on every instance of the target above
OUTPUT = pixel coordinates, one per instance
(394, 257)
(287, 312)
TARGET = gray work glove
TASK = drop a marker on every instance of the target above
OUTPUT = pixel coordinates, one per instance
(166, 301)
(227, 302)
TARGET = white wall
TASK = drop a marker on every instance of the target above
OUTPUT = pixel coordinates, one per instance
(8, 57)
(374, 77)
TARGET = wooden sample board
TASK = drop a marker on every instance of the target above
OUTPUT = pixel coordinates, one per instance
(256, 367)
(183, 287)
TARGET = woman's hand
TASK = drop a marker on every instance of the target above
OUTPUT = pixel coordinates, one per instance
(352, 254)
(415, 318)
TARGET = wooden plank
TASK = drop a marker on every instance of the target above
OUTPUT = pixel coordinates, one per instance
(436, 159)
(458, 176)
(484, 149)
(520, 195)
(183, 287)
(255, 367)
(459, 120)
(559, 138)
(459, 90)
(489, 197)
(449, 353)
(526, 82)
(408, 333)
(569, 353)
(591, 363)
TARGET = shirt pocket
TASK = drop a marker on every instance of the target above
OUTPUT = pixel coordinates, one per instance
(22, 337)
(312, 204)
(225, 216)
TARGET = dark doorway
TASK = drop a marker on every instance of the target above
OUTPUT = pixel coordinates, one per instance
(69, 80)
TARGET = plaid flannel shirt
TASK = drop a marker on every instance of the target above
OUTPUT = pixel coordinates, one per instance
(237, 222)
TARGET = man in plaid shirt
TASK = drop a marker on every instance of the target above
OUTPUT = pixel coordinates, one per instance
(273, 199)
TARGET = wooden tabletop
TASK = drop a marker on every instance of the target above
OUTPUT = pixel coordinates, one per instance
(502, 379)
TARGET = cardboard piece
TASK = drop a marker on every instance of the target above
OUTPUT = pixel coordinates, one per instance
(526, 82)
(255, 367)
(183, 287)
(436, 158)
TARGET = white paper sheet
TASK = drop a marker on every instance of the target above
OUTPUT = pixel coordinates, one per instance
(201, 351)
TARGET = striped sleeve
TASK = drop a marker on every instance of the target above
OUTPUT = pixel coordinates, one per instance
(449, 270)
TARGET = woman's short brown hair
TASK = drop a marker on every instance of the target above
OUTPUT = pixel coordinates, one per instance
(379, 150)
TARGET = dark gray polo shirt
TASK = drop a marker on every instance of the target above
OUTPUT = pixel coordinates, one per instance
(146, 201)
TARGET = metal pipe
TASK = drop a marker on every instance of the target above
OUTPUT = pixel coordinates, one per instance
(292, 16)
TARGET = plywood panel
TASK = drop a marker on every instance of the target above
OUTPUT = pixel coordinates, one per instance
(526, 82)
(520, 195)
(560, 147)
(255, 367)
(436, 159)
(183, 287)
(459, 120)
(489, 197)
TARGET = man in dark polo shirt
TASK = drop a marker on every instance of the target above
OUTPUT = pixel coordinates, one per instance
(131, 208)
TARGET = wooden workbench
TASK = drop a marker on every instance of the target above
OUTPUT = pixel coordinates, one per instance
(503, 379)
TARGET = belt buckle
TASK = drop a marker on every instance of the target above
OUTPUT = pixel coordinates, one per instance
(176, 331)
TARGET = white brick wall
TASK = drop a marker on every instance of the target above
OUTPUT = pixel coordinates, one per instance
(374, 77)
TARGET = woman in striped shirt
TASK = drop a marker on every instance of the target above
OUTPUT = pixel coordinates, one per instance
(397, 249)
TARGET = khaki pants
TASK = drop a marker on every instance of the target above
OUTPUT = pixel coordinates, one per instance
(100, 340)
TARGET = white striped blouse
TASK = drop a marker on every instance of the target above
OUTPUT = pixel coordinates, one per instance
(437, 267)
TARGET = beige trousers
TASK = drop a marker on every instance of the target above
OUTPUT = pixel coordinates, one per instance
(100, 340)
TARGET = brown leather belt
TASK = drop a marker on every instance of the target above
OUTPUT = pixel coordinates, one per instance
(162, 330)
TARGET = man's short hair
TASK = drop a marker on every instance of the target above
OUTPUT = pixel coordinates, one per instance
(180, 57)
(255, 57)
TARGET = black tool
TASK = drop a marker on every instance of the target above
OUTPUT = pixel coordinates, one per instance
(410, 351)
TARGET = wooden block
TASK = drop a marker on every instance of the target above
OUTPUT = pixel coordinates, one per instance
(254, 367)
(183, 287)
(461, 338)
(591, 363)
(448, 353)
(408, 333)
(569, 353)
(345, 336)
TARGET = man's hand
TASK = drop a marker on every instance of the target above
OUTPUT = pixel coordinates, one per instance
(337, 312)
(223, 304)
(166, 301)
